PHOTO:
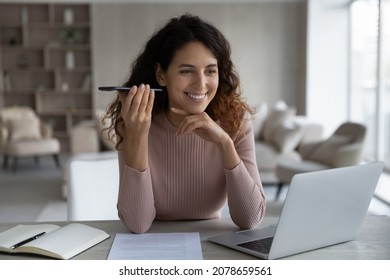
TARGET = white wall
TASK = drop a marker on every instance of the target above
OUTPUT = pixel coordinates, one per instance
(327, 63)
(268, 43)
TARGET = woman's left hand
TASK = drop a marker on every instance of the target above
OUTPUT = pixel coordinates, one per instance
(202, 125)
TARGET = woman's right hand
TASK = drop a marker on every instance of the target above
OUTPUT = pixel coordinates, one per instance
(137, 105)
(136, 112)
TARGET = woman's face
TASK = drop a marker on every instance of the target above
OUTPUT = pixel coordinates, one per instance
(191, 79)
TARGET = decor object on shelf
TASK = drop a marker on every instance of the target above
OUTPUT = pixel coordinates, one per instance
(70, 60)
(12, 41)
(86, 83)
(7, 82)
(68, 16)
(70, 35)
(24, 15)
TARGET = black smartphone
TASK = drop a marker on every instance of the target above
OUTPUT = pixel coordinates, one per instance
(120, 88)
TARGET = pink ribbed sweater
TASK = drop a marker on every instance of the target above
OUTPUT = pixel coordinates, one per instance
(186, 180)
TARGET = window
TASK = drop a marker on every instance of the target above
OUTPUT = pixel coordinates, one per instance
(370, 75)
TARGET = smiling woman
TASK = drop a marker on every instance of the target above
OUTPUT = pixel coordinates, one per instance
(191, 80)
(185, 152)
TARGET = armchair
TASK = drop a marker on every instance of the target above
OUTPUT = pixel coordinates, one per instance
(90, 136)
(23, 134)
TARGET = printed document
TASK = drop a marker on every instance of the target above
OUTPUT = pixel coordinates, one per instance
(156, 246)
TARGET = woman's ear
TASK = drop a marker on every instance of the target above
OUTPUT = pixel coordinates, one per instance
(160, 76)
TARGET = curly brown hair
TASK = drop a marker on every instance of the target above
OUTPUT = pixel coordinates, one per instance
(228, 107)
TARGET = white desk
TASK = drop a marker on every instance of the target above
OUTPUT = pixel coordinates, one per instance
(373, 241)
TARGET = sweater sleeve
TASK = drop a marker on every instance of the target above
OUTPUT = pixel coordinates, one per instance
(135, 200)
(246, 197)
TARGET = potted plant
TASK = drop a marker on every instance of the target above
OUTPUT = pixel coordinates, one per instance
(70, 35)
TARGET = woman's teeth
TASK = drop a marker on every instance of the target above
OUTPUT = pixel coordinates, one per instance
(196, 96)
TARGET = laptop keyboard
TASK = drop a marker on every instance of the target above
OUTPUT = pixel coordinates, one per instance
(261, 245)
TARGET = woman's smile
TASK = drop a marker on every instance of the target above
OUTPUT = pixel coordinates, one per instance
(196, 96)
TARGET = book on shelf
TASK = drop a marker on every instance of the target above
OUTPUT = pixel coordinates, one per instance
(51, 240)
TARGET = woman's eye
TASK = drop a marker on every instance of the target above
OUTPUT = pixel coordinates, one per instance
(186, 71)
(211, 71)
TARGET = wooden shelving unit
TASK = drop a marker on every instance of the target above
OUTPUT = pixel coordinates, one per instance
(46, 62)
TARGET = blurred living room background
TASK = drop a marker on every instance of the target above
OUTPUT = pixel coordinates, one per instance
(307, 66)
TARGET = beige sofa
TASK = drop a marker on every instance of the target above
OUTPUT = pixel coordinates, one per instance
(343, 148)
(279, 133)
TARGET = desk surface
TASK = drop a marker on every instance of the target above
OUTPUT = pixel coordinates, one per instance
(373, 241)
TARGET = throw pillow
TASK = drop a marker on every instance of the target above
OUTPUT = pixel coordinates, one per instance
(259, 119)
(287, 137)
(276, 117)
(325, 152)
(24, 129)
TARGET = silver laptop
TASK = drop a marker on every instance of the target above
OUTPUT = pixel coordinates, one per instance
(322, 208)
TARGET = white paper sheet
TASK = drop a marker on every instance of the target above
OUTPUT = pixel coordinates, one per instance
(156, 246)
